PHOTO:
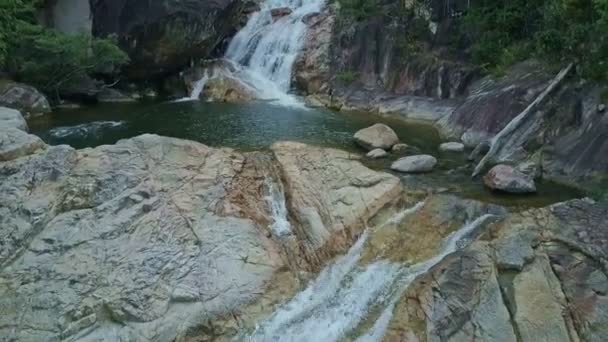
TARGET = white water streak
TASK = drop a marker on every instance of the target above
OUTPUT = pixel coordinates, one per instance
(340, 298)
(275, 199)
(266, 49)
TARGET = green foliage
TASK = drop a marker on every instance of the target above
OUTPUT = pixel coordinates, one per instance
(47, 58)
(359, 10)
(506, 31)
(347, 77)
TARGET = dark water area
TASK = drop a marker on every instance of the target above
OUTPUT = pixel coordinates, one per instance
(256, 126)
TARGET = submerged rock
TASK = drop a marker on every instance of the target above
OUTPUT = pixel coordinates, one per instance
(85, 130)
(415, 164)
(113, 95)
(508, 179)
(377, 154)
(377, 136)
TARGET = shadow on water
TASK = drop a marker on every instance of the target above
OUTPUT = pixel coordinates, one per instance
(255, 126)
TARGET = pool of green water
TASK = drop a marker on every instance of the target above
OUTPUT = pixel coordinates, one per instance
(255, 126)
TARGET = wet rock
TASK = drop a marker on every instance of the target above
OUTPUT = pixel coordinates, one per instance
(113, 95)
(479, 151)
(377, 154)
(377, 136)
(415, 164)
(11, 118)
(451, 147)
(278, 13)
(227, 89)
(311, 70)
(508, 179)
(601, 108)
(22, 97)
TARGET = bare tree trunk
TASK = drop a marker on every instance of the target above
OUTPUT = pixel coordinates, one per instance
(498, 141)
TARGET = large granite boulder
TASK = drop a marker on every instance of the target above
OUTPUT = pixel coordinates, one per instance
(227, 89)
(377, 136)
(22, 97)
(163, 36)
(158, 239)
(15, 142)
(415, 164)
(508, 179)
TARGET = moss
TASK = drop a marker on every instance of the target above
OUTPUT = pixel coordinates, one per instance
(347, 77)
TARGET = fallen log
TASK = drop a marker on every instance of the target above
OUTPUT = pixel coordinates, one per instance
(498, 141)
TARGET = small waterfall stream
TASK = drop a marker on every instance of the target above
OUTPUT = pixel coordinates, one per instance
(343, 294)
(265, 50)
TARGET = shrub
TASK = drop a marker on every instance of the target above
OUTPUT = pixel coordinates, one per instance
(47, 58)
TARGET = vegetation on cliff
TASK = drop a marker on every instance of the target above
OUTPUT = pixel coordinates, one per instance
(497, 34)
(47, 58)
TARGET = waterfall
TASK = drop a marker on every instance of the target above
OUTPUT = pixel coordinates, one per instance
(342, 295)
(265, 50)
(275, 199)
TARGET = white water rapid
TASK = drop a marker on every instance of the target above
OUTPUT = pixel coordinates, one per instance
(275, 199)
(343, 294)
(265, 50)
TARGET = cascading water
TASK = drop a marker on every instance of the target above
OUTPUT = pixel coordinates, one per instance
(265, 50)
(342, 295)
(280, 226)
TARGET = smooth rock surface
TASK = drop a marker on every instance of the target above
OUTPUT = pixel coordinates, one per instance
(506, 178)
(377, 136)
(22, 97)
(415, 164)
(451, 147)
(331, 194)
(377, 154)
(15, 143)
(12, 118)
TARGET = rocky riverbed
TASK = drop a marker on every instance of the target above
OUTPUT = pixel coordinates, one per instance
(157, 238)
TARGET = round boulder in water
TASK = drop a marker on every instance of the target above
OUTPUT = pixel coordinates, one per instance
(508, 179)
(415, 164)
(451, 147)
(377, 154)
(377, 136)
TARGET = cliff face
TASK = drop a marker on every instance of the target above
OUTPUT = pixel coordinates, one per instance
(414, 64)
(162, 37)
(399, 49)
